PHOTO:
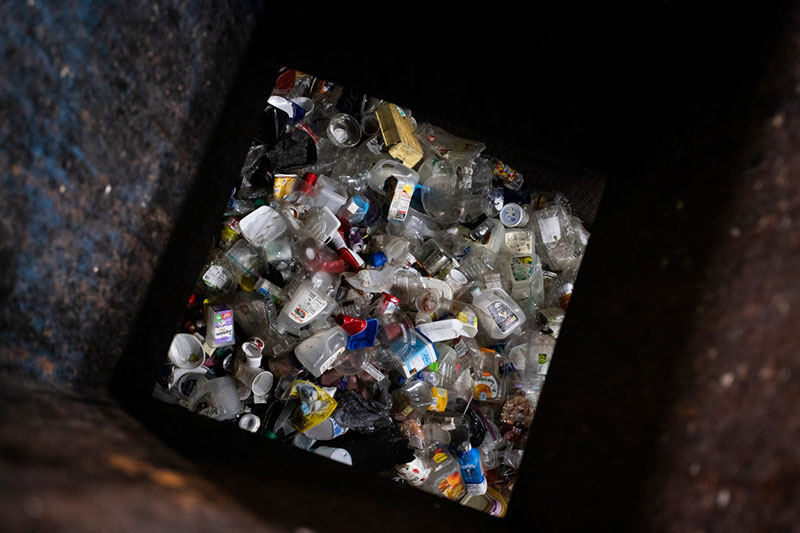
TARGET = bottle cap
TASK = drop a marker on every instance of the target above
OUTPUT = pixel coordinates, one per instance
(353, 326)
(378, 259)
(310, 178)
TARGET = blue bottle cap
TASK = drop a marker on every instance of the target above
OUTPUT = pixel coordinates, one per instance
(377, 259)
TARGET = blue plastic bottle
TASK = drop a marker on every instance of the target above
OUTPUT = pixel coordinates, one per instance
(469, 459)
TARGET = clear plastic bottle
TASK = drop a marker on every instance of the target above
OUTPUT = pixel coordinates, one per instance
(218, 280)
(309, 302)
(488, 385)
(445, 479)
(500, 314)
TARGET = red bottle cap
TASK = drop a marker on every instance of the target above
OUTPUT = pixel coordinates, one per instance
(353, 326)
(310, 178)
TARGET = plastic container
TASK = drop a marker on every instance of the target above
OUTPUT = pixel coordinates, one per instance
(217, 398)
(500, 315)
(318, 353)
(262, 226)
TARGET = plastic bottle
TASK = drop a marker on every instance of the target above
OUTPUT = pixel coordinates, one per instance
(469, 459)
(500, 314)
(218, 279)
(246, 263)
(488, 385)
(308, 303)
(231, 231)
(445, 479)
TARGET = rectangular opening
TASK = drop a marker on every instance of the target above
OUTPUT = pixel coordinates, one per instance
(341, 285)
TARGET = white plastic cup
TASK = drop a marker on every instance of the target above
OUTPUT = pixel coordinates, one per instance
(252, 352)
(513, 215)
(344, 131)
(186, 351)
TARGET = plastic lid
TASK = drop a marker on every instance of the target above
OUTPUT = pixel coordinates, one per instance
(512, 215)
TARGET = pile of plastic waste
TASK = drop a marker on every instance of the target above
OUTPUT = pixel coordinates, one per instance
(382, 293)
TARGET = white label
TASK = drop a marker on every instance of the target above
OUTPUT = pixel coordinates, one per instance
(374, 372)
(352, 207)
(215, 276)
(550, 229)
(223, 332)
(401, 200)
(520, 242)
(325, 366)
(307, 308)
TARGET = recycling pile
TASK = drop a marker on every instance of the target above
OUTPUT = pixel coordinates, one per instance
(382, 293)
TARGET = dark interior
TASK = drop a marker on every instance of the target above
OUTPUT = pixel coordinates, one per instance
(669, 403)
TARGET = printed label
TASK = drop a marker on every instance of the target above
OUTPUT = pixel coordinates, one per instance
(452, 486)
(520, 242)
(282, 185)
(401, 200)
(544, 363)
(233, 225)
(439, 399)
(502, 315)
(307, 308)
(467, 317)
(439, 456)
(505, 172)
(550, 229)
(522, 268)
(485, 387)
(326, 365)
(461, 348)
(419, 360)
(215, 276)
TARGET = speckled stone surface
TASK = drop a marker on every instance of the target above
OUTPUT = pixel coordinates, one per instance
(68, 463)
(107, 108)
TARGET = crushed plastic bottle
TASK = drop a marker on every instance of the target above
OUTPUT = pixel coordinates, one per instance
(381, 293)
